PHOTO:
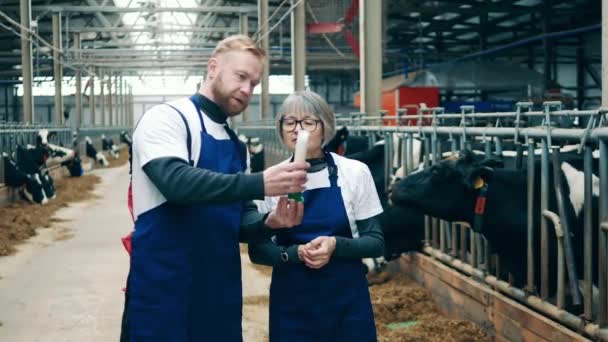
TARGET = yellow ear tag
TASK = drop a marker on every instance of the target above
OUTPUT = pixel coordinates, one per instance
(479, 183)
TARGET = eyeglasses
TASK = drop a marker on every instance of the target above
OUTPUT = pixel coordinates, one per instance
(289, 125)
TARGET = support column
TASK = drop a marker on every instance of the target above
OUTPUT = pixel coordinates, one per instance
(119, 100)
(244, 24)
(603, 172)
(25, 13)
(123, 90)
(370, 39)
(110, 109)
(604, 54)
(580, 72)
(57, 69)
(92, 98)
(547, 44)
(298, 44)
(263, 28)
(130, 119)
(78, 99)
(102, 98)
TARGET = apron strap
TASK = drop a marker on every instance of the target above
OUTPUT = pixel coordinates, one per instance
(188, 137)
(239, 145)
(331, 168)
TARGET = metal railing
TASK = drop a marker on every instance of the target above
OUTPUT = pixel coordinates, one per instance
(466, 250)
(12, 134)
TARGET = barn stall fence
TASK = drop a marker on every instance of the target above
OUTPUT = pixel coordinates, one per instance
(458, 246)
(12, 134)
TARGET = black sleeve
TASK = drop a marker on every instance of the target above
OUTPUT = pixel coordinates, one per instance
(183, 184)
(252, 225)
(268, 253)
(369, 244)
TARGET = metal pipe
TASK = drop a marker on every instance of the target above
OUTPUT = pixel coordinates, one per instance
(25, 15)
(463, 243)
(147, 10)
(544, 239)
(559, 233)
(298, 44)
(102, 99)
(388, 161)
(603, 219)
(427, 230)
(427, 148)
(473, 244)
(188, 29)
(110, 95)
(442, 224)
(78, 98)
(565, 226)
(588, 242)
(405, 155)
(434, 223)
(263, 30)
(92, 98)
(410, 148)
(568, 319)
(57, 70)
(454, 249)
(530, 229)
(604, 54)
(493, 115)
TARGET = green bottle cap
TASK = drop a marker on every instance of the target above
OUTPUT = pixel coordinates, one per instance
(296, 196)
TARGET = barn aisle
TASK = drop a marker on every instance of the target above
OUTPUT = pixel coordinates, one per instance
(64, 284)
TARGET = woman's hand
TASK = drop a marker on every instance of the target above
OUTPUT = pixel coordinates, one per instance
(317, 252)
(287, 214)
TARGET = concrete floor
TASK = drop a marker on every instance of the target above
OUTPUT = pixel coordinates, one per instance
(65, 284)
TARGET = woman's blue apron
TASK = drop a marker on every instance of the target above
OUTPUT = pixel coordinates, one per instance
(327, 304)
(185, 278)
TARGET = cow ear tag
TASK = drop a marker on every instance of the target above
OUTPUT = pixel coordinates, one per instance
(479, 183)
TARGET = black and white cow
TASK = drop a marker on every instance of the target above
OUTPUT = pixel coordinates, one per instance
(344, 143)
(449, 191)
(46, 154)
(126, 138)
(30, 185)
(108, 146)
(256, 154)
(96, 157)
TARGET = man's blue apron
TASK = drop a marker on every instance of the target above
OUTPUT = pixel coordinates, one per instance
(185, 278)
(328, 304)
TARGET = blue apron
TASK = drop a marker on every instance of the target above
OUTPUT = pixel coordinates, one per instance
(328, 304)
(185, 278)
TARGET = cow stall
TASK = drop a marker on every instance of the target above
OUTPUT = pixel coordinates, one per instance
(550, 280)
(13, 135)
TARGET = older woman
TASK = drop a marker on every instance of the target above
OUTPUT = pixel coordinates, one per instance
(319, 291)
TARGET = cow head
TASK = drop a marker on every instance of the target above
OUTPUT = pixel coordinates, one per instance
(33, 191)
(336, 144)
(255, 146)
(124, 137)
(42, 139)
(446, 190)
(48, 185)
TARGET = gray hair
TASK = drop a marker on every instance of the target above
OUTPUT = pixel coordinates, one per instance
(308, 102)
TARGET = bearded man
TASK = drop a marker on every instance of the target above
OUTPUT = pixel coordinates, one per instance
(192, 204)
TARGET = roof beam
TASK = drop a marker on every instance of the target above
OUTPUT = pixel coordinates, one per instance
(113, 9)
(151, 30)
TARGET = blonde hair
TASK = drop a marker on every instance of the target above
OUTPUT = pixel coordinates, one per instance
(308, 102)
(238, 42)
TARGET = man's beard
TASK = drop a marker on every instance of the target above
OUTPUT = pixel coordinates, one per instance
(223, 99)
